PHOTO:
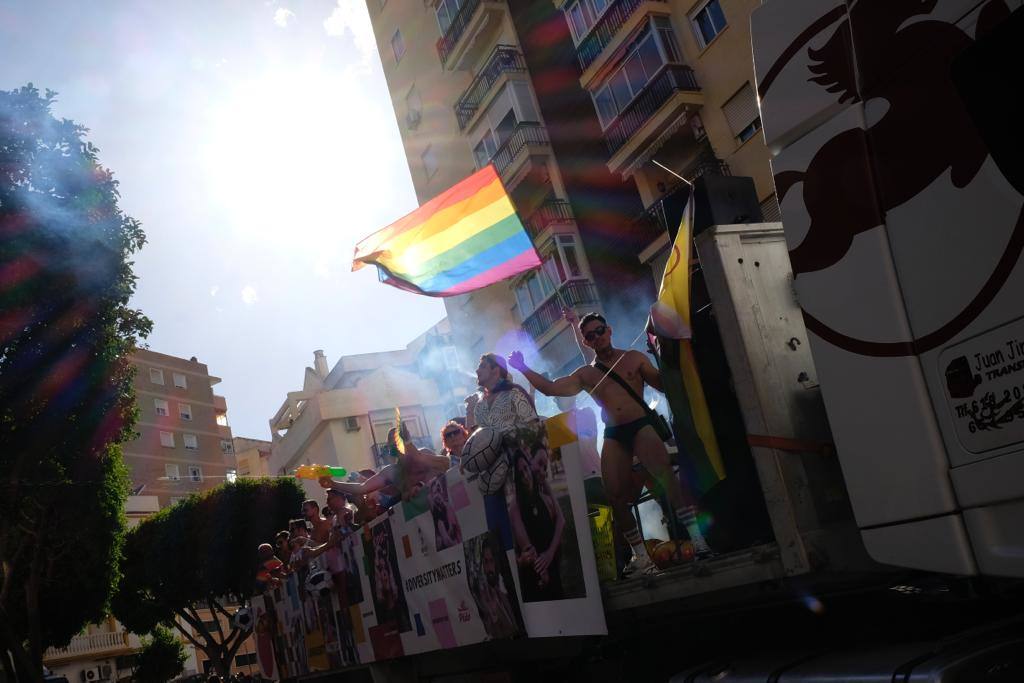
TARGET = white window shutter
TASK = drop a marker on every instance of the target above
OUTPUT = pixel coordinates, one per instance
(741, 109)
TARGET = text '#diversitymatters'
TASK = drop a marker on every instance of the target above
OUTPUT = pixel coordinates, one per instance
(445, 571)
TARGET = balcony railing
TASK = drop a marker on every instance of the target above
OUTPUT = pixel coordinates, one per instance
(550, 212)
(672, 79)
(524, 134)
(654, 220)
(446, 44)
(572, 293)
(89, 644)
(504, 60)
(602, 34)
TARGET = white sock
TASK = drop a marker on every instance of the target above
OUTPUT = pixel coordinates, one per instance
(687, 516)
(636, 542)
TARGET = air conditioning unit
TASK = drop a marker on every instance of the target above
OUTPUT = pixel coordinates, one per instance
(351, 424)
(412, 119)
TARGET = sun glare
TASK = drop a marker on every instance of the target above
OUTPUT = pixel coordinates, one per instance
(296, 159)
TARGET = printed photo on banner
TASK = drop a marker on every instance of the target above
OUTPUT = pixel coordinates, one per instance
(343, 563)
(447, 532)
(490, 581)
(540, 512)
(385, 579)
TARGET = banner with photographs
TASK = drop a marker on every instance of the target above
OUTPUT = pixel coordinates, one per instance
(448, 568)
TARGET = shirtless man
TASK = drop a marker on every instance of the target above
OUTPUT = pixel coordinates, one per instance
(628, 431)
(321, 525)
(413, 470)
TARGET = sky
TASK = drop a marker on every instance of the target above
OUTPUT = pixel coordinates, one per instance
(256, 142)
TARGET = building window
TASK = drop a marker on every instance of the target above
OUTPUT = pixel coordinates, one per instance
(160, 407)
(167, 439)
(413, 108)
(532, 291)
(446, 11)
(429, 161)
(742, 114)
(561, 265)
(156, 376)
(351, 423)
(191, 442)
(195, 473)
(172, 472)
(231, 476)
(485, 149)
(246, 659)
(185, 411)
(511, 106)
(655, 48)
(583, 15)
(708, 22)
(225, 446)
(451, 357)
(180, 381)
(397, 46)
(770, 211)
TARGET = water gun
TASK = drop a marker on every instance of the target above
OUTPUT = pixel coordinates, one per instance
(316, 472)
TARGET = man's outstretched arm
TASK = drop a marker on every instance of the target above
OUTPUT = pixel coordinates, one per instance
(563, 386)
(374, 483)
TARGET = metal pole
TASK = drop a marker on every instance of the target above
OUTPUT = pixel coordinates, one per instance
(666, 168)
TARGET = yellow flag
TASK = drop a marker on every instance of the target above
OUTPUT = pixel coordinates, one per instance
(399, 441)
(670, 318)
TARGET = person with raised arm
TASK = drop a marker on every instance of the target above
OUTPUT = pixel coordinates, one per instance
(616, 381)
(412, 469)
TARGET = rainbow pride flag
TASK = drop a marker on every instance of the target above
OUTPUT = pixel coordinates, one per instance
(465, 238)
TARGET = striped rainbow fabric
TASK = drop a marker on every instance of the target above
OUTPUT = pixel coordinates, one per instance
(466, 238)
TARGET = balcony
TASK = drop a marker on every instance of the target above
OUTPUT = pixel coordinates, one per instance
(553, 211)
(604, 32)
(656, 219)
(573, 293)
(91, 645)
(467, 36)
(527, 140)
(653, 114)
(505, 59)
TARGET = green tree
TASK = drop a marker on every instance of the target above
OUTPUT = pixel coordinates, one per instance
(198, 555)
(66, 397)
(162, 657)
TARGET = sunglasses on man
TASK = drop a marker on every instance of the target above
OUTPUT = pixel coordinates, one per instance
(450, 434)
(595, 333)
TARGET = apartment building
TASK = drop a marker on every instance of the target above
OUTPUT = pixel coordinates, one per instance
(673, 82)
(572, 101)
(342, 416)
(184, 441)
(251, 457)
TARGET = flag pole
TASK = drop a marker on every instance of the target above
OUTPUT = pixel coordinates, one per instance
(666, 168)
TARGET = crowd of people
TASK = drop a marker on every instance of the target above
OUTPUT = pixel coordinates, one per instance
(518, 502)
(355, 502)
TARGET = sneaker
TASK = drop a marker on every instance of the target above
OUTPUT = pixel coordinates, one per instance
(640, 565)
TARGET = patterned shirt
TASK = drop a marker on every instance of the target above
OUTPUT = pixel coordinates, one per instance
(510, 410)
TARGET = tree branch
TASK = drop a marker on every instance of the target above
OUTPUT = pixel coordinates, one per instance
(238, 644)
(221, 609)
(210, 601)
(188, 636)
(196, 623)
